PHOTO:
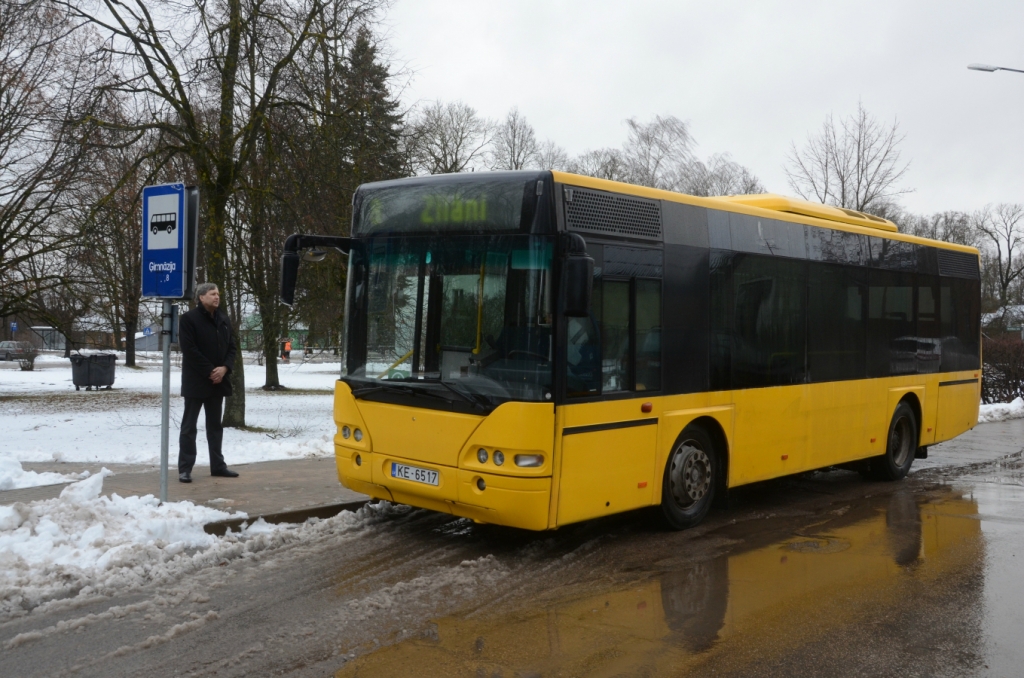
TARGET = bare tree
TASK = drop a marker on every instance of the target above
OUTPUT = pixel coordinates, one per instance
(853, 163)
(514, 146)
(44, 89)
(720, 175)
(951, 226)
(206, 76)
(1002, 227)
(604, 163)
(447, 137)
(551, 156)
(658, 152)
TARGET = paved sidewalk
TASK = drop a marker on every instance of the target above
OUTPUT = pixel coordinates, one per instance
(263, 489)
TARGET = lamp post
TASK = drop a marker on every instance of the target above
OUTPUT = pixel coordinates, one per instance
(992, 69)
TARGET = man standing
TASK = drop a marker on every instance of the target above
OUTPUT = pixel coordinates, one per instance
(207, 353)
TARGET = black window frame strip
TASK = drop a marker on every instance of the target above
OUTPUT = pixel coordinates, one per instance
(591, 428)
(958, 382)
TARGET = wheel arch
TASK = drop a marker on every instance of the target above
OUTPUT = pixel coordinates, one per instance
(914, 396)
(717, 422)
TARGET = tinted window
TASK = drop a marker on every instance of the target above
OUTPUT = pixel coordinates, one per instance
(959, 303)
(648, 335)
(836, 330)
(892, 330)
(757, 321)
(614, 323)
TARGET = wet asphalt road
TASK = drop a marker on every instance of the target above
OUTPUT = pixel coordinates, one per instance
(821, 574)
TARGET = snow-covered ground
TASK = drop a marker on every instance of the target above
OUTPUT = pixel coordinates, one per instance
(82, 544)
(45, 419)
(1001, 411)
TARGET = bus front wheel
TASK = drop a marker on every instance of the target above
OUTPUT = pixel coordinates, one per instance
(691, 475)
(900, 446)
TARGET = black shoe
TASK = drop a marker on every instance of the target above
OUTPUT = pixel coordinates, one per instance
(185, 477)
(226, 473)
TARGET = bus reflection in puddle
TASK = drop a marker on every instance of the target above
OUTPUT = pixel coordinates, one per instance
(726, 613)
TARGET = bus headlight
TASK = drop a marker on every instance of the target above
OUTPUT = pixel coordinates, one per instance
(529, 460)
(345, 432)
(499, 457)
(358, 435)
(481, 455)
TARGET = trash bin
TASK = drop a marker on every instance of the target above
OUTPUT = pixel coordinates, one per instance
(93, 371)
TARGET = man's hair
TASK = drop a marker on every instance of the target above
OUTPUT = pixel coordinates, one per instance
(204, 288)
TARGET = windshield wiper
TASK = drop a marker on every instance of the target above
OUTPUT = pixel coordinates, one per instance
(462, 392)
(406, 389)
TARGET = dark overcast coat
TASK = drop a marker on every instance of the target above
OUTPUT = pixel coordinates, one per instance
(206, 343)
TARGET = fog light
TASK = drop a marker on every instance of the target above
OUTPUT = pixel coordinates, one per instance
(358, 435)
(359, 460)
(480, 484)
(499, 457)
(345, 432)
(481, 455)
(529, 460)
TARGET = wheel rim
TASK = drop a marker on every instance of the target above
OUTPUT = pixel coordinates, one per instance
(900, 441)
(689, 474)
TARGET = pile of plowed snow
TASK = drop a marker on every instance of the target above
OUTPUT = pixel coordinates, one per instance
(82, 544)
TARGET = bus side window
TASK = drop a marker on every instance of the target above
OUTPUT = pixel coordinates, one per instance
(648, 335)
(615, 345)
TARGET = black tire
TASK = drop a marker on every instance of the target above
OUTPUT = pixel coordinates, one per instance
(900, 446)
(691, 477)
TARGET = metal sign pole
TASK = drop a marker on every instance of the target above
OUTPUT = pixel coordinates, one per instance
(170, 225)
(165, 406)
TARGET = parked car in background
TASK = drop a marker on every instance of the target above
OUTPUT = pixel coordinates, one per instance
(16, 350)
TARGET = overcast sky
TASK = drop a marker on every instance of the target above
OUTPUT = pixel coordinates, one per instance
(749, 77)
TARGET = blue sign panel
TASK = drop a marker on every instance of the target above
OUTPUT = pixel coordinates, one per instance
(14, 327)
(165, 245)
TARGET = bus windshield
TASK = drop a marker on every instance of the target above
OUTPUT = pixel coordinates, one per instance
(459, 318)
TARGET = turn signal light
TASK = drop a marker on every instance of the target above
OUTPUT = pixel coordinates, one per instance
(345, 432)
(481, 455)
(529, 460)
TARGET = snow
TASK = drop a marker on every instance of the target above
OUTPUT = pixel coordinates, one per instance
(1001, 411)
(46, 420)
(84, 544)
(14, 477)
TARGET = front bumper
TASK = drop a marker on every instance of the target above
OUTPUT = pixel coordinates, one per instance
(506, 500)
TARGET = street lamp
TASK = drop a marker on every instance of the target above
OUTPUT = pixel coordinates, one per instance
(992, 69)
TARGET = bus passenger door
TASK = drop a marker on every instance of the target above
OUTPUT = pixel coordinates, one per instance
(609, 435)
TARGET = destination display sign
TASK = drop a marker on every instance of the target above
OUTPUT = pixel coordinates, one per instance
(458, 206)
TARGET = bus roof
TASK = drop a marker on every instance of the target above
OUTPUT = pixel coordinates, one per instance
(768, 205)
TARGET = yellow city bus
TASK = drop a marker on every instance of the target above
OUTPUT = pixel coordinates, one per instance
(535, 349)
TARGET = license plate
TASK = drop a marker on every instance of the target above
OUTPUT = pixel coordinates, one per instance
(417, 475)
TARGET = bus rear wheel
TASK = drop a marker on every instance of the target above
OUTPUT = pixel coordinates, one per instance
(691, 476)
(900, 446)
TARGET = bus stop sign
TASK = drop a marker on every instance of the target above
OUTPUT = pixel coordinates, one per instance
(170, 215)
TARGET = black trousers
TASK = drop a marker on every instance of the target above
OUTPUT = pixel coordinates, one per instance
(214, 433)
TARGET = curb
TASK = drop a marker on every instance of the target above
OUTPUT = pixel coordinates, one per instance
(221, 527)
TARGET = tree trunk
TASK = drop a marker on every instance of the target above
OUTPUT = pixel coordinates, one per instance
(130, 328)
(270, 355)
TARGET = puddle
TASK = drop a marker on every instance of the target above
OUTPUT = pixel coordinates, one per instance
(855, 576)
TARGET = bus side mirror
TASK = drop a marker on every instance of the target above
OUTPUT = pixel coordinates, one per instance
(290, 259)
(289, 275)
(579, 285)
